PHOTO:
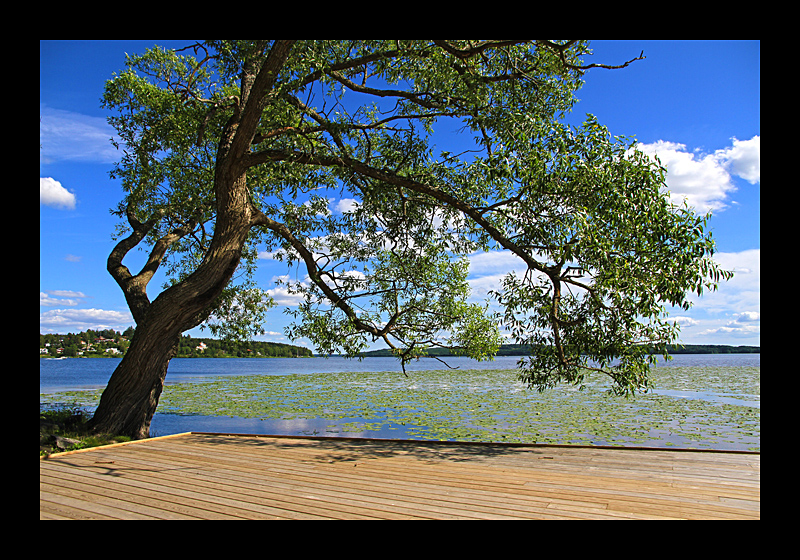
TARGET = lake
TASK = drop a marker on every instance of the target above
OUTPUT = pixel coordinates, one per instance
(707, 401)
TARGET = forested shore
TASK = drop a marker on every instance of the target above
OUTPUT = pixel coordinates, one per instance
(522, 350)
(109, 343)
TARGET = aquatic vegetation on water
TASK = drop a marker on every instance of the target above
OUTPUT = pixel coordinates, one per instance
(717, 407)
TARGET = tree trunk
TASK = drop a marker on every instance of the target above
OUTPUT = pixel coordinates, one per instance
(131, 396)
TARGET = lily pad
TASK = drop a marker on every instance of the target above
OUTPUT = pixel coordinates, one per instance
(718, 407)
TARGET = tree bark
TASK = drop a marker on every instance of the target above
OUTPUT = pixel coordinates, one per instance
(130, 399)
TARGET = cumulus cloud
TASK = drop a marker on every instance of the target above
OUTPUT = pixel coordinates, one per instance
(743, 159)
(283, 297)
(494, 262)
(67, 293)
(481, 286)
(76, 320)
(746, 281)
(747, 317)
(346, 205)
(281, 292)
(487, 270)
(700, 179)
(268, 255)
(684, 321)
(735, 330)
(705, 180)
(52, 193)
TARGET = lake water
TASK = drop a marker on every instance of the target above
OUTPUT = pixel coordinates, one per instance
(700, 401)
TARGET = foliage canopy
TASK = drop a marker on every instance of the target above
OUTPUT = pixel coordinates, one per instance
(308, 122)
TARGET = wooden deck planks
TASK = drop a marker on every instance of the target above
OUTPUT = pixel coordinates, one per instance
(215, 476)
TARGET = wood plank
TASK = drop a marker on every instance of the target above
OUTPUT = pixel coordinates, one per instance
(342, 500)
(159, 496)
(397, 476)
(359, 479)
(251, 504)
(193, 476)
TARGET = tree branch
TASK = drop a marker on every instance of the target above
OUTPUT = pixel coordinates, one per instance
(561, 49)
(414, 97)
(477, 49)
(254, 96)
(387, 177)
(259, 218)
(132, 287)
(349, 64)
(135, 286)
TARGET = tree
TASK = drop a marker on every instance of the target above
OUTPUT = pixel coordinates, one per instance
(229, 147)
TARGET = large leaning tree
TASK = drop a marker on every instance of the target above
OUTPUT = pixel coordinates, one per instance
(233, 147)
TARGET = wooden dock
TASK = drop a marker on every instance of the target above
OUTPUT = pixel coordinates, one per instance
(216, 476)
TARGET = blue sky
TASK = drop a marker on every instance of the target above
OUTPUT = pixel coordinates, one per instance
(694, 103)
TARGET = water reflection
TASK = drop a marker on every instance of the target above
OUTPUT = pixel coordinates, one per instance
(166, 424)
(375, 400)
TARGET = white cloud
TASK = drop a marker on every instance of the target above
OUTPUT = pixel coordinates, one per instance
(283, 297)
(705, 180)
(702, 180)
(747, 317)
(346, 205)
(52, 193)
(481, 286)
(684, 321)
(76, 320)
(494, 262)
(732, 314)
(52, 298)
(487, 270)
(66, 293)
(268, 255)
(733, 330)
(743, 291)
(68, 136)
(743, 159)
(281, 293)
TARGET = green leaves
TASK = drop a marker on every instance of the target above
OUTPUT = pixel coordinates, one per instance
(476, 333)
(593, 201)
(356, 120)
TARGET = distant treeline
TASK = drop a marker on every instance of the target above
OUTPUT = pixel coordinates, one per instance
(714, 349)
(524, 350)
(212, 348)
(111, 343)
